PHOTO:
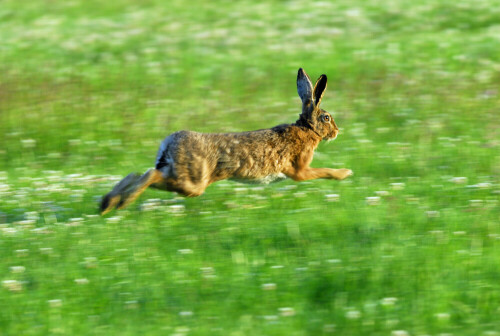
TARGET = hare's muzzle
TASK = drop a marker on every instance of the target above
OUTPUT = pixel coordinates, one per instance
(333, 134)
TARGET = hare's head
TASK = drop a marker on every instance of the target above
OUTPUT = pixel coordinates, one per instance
(314, 117)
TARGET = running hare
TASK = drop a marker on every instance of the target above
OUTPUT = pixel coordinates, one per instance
(188, 162)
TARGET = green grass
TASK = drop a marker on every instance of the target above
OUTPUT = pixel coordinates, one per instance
(410, 245)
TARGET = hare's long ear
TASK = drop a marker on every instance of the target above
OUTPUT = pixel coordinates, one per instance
(304, 87)
(319, 89)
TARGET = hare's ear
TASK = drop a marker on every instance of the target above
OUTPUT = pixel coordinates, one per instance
(304, 87)
(319, 89)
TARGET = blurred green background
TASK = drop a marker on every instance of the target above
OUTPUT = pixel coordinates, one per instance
(410, 245)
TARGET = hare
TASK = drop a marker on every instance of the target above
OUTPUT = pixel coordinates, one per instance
(188, 162)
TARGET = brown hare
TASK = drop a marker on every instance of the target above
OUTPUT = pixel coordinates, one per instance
(188, 162)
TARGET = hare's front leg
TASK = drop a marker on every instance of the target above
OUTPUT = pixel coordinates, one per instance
(315, 173)
(340, 174)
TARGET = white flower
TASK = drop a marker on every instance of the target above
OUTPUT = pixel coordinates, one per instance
(490, 333)
(334, 261)
(17, 269)
(459, 180)
(28, 143)
(9, 230)
(432, 214)
(90, 262)
(332, 197)
(269, 286)
(4, 187)
(26, 222)
(55, 303)
(13, 285)
(177, 209)
(383, 130)
(443, 316)
(131, 304)
(181, 330)
(399, 333)
(353, 314)
(151, 204)
(373, 200)
(475, 203)
(208, 272)
(391, 323)
(286, 311)
(74, 142)
(388, 301)
(353, 12)
(82, 281)
(32, 215)
(22, 252)
(114, 219)
(483, 185)
(398, 186)
(46, 250)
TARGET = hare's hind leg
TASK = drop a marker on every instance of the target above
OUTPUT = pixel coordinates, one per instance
(111, 199)
(185, 188)
(128, 189)
(315, 173)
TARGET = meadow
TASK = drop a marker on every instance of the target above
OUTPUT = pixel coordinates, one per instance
(410, 245)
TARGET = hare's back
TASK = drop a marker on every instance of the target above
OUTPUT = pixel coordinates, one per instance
(252, 157)
(185, 150)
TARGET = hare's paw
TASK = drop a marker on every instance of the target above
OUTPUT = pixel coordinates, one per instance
(108, 203)
(343, 173)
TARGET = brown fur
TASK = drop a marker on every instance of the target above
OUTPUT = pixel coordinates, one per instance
(188, 162)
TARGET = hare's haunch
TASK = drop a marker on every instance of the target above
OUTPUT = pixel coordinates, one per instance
(188, 162)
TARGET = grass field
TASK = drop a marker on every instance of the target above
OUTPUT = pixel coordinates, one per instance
(410, 245)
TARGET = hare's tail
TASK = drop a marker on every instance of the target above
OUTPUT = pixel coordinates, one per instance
(128, 189)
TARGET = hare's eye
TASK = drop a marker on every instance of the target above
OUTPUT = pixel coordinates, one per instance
(326, 118)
